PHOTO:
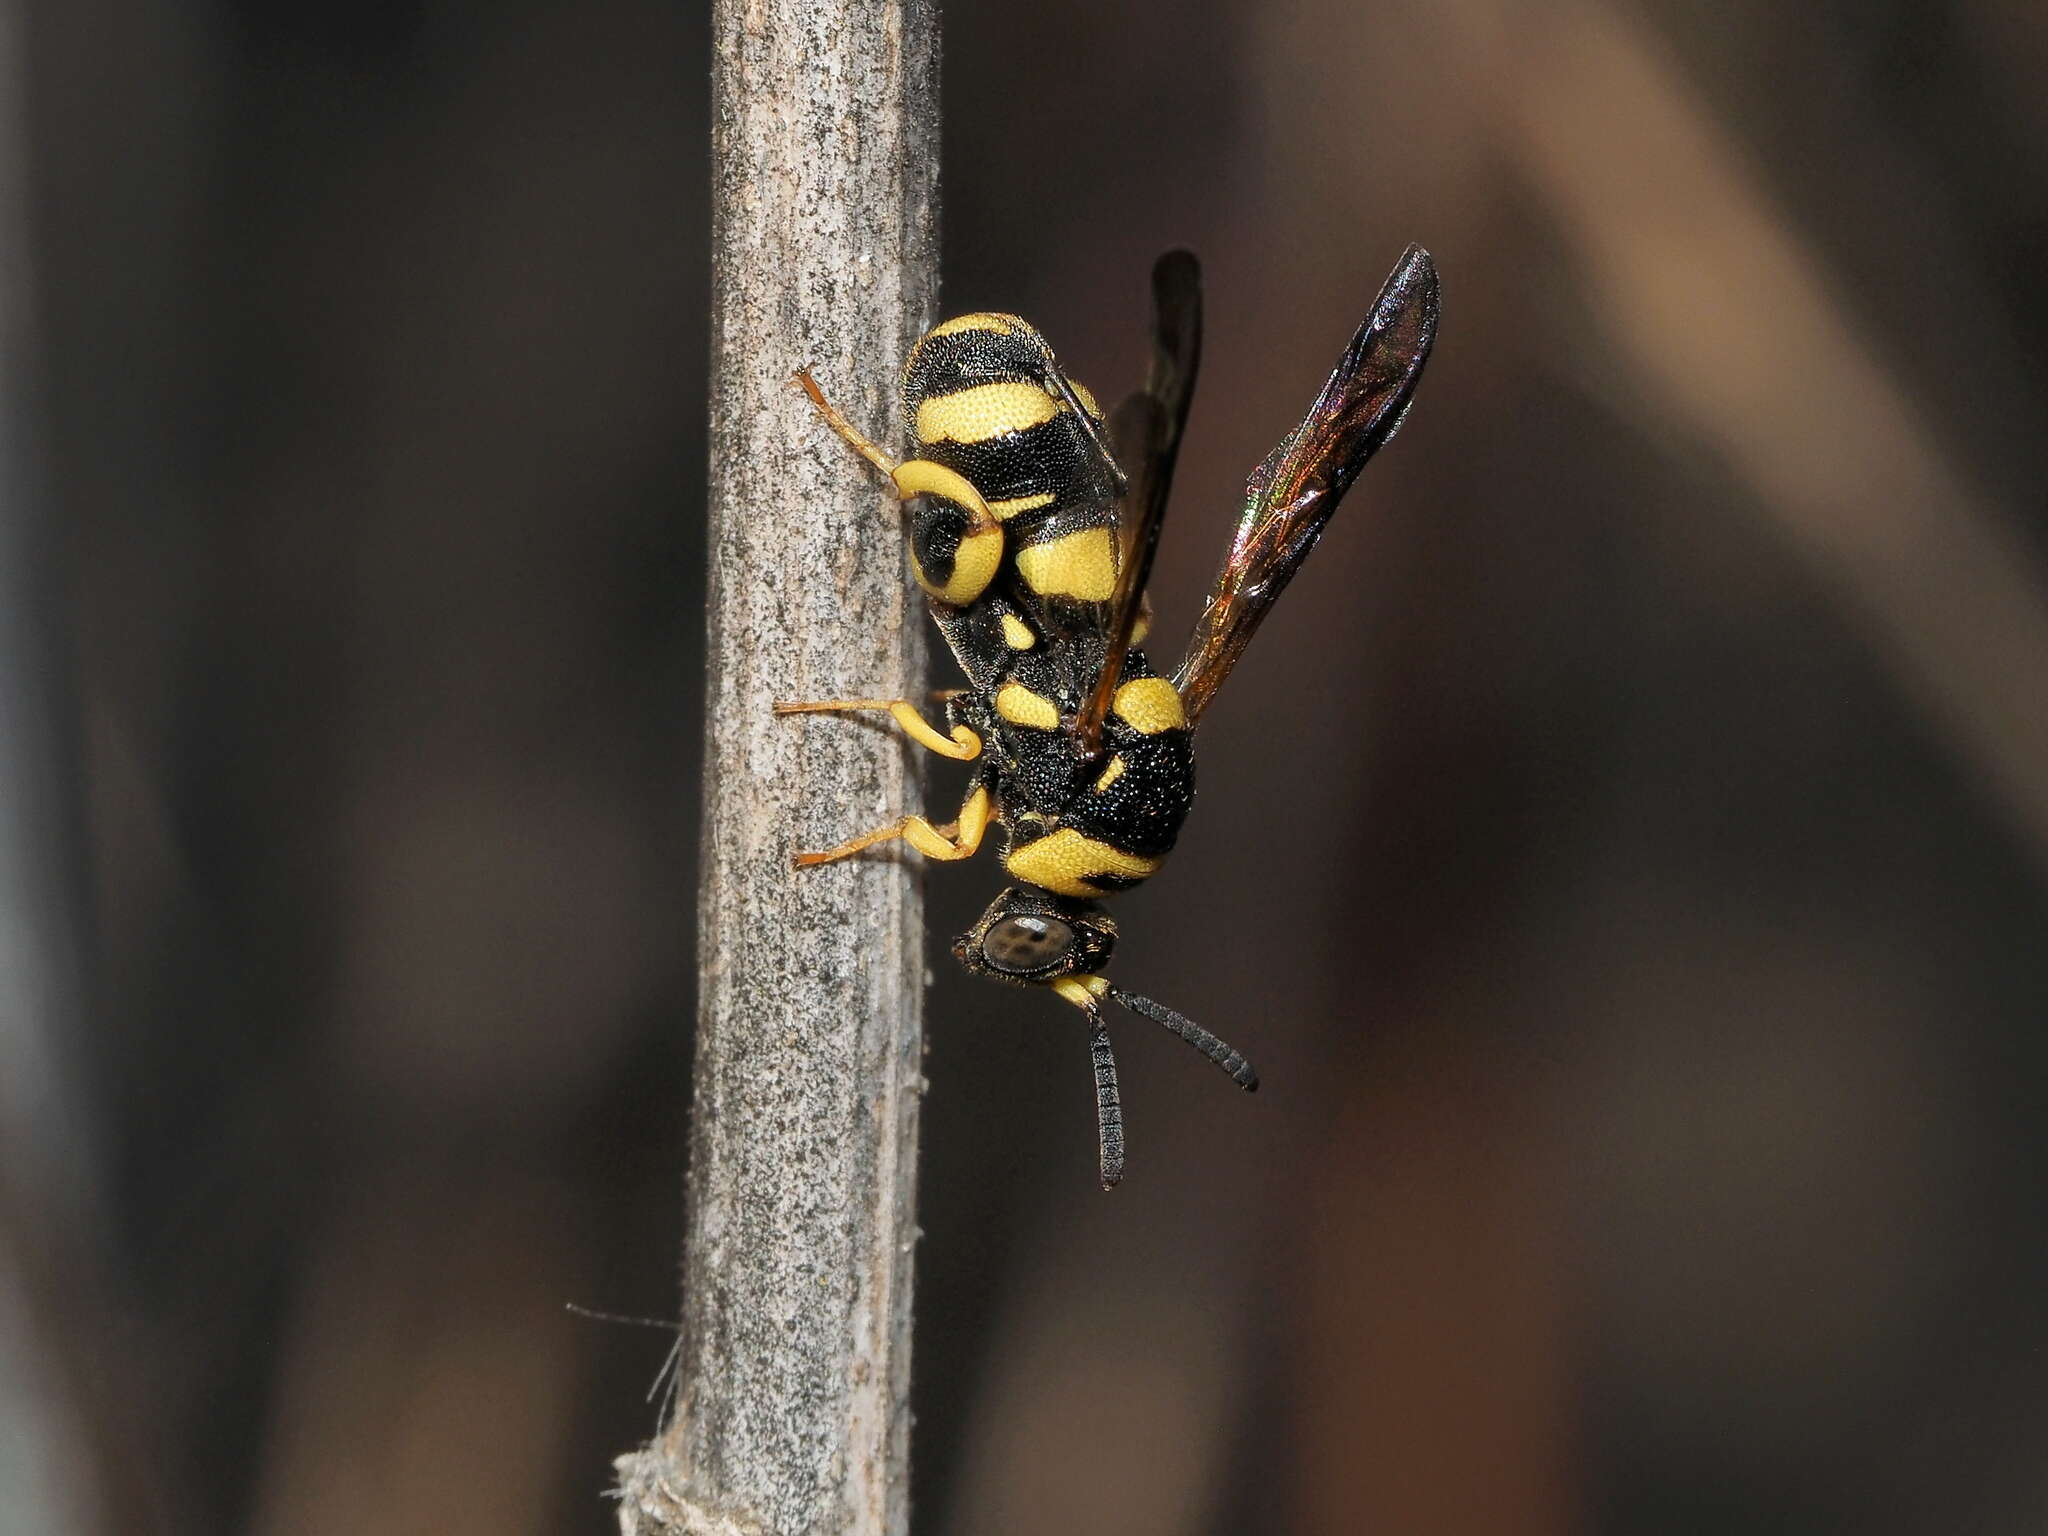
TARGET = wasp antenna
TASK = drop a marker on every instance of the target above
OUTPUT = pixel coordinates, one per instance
(1109, 1108)
(1221, 1052)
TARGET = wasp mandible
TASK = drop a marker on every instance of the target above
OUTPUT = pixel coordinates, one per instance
(1033, 519)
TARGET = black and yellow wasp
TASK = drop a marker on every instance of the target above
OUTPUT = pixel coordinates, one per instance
(1033, 520)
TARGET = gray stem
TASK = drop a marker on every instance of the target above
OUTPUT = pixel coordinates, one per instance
(792, 1415)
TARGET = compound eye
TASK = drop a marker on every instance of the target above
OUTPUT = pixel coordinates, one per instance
(1020, 945)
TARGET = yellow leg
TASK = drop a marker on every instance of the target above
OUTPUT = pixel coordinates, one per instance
(964, 746)
(852, 435)
(923, 477)
(917, 477)
(956, 840)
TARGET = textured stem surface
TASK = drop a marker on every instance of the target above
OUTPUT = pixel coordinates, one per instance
(793, 1408)
(793, 1416)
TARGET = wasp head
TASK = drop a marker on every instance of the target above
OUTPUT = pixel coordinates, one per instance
(1031, 937)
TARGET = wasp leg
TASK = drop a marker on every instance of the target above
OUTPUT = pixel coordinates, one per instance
(853, 437)
(964, 746)
(956, 840)
(914, 477)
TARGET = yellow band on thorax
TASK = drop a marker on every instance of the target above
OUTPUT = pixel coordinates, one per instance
(1020, 706)
(1149, 705)
(1066, 863)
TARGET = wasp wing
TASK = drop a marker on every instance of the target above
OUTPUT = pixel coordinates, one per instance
(1290, 497)
(1094, 497)
(1146, 431)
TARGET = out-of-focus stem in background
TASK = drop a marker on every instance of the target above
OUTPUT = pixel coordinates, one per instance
(68, 1406)
(1728, 318)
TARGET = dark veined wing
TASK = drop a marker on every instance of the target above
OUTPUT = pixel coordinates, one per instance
(1290, 497)
(1145, 431)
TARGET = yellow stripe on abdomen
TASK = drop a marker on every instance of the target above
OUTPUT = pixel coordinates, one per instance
(1011, 506)
(1002, 325)
(984, 411)
(1078, 565)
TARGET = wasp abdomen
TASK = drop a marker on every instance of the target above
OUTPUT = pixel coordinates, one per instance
(976, 400)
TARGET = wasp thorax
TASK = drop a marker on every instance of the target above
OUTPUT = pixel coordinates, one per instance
(1019, 945)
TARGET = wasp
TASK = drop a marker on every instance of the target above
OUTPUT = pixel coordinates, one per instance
(1032, 521)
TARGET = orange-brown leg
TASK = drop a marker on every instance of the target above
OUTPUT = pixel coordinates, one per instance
(956, 840)
(963, 746)
(854, 438)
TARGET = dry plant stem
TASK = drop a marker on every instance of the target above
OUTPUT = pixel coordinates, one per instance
(792, 1415)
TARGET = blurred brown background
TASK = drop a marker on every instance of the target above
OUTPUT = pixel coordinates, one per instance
(1623, 854)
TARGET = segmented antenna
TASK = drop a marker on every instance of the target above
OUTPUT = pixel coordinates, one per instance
(1109, 1108)
(1223, 1054)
